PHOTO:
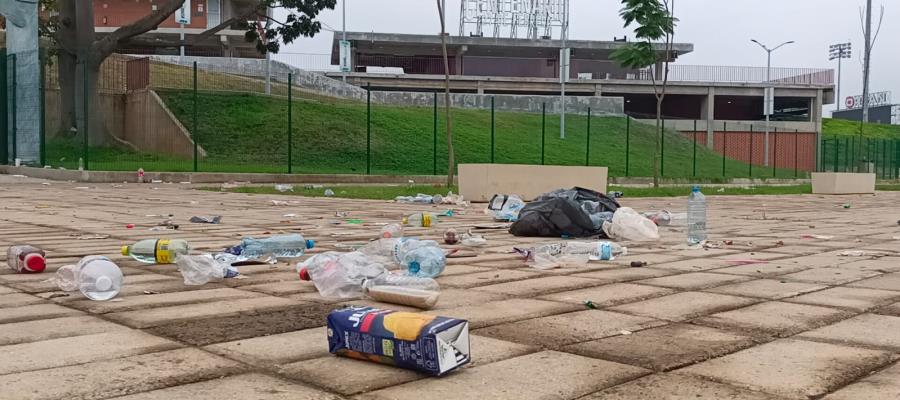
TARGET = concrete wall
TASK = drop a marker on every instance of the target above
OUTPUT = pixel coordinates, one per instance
(111, 109)
(323, 85)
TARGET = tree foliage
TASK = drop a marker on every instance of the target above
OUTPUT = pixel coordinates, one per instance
(300, 22)
(654, 23)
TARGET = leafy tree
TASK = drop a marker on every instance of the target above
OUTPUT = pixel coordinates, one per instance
(655, 23)
(70, 26)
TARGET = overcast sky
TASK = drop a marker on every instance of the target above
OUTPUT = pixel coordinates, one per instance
(719, 29)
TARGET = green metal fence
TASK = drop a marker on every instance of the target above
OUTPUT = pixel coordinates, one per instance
(855, 154)
(168, 117)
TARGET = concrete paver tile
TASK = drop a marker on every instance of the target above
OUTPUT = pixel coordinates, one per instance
(867, 329)
(664, 348)
(44, 329)
(78, 350)
(18, 300)
(768, 288)
(137, 302)
(498, 312)
(609, 295)
(683, 306)
(241, 387)
(760, 270)
(159, 316)
(35, 311)
(132, 374)
(884, 384)
(857, 299)
(676, 387)
(563, 376)
(774, 318)
(792, 368)
(282, 288)
(485, 350)
(540, 285)
(560, 330)
(277, 349)
(885, 282)
(626, 274)
(694, 280)
(831, 276)
(484, 278)
(347, 376)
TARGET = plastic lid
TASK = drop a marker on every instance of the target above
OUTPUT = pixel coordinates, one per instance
(310, 243)
(695, 189)
(125, 250)
(103, 284)
(304, 275)
(35, 263)
(414, 267)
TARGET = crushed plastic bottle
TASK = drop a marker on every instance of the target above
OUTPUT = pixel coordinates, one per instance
(329, 193)
(351, 275)
(201, 269)
(420, 198)
(392, 231)
(96, 277)
(425, 220)
(274, 247)
(26, 259)
(553, 255)
(156, 251)
(696, 217)
(418, 257)
(284, 188)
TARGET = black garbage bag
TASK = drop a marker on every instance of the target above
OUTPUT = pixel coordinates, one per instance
(564, 213)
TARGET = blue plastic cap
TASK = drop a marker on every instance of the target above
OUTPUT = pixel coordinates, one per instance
(414, 267)
(695, 189)
(310, 243)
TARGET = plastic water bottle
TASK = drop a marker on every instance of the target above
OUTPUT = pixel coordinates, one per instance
(425, 220)
(349, 275)
(96, 277)
(596, 251)
(392, 231)
(281, 246)
(26, 259)
(156, 251)
(425, 260)
(696, 216)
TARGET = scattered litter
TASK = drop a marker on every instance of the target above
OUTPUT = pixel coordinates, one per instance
(638, 264)
(625, 332)
(341, 214)
(355, 221)
(392, 231)
(505, 207)
(821, 237)
(311, 187)
(846, 205)
(575, 212)
(483, 227)
(329, 193)
(617, 195)
(45, 183)
(18, 176)
(420, 199)
(26, 259)
(382, 327)
(129, 226)
(896, 237)
(627, 224)
(721, 190)
(55, 295)
(278, 203)
(424, 220)
(570, 253)
(156, 251)
(229, 185)
(89, 236)
(96, 277)
(290, 215)
(469, 239)
(746, 262)
(284, 188)
(140, 175)
(852, 253)
(450, 237)
(163, 228)
(150, 292)
(779, 243)
(82, 187)
(212, 219)
(728, 242)
(156, 181)
(590, 304)
(201, 269)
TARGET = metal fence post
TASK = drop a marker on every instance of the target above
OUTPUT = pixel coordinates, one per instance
(587, 149)
(724, 144)
(14, 111)
(543, 128)
(493, 128)
(368, 128)
(662, 149)
(837, 152)
(883, 157)
(4, 122)
(290, 131)
(195, 135)
(85, 101)
(750, 162)
(694, 161)
(627, 142)
(846, 154)
(434, 138)
(775, 154)
(42, 124)
(796, 153)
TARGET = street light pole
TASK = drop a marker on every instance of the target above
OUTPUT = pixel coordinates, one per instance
(766, 100)
(564, 71)
(344, 29)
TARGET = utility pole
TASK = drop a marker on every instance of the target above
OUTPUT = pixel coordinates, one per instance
(564, 56)
(867, 58)
(344, 29)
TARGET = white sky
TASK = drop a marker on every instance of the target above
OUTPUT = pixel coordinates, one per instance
(719, 29)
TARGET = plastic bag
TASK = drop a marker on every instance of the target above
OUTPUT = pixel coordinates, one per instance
(201, 269)
(505, 207)
(627, 224)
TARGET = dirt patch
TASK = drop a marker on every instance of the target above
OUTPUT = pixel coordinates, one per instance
(226, 329)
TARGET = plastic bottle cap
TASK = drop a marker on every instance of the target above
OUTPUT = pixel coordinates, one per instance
(414, 267)
(695, 189)
(35, 263)
(103, 284)
(310, 243)
(125, 250)
(304, 275)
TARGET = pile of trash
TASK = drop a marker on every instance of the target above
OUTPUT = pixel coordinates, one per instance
(575, 212)
(437, 199)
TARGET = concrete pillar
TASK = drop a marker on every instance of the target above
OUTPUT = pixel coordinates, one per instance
(459, 59)
(598, 90)
(479, 87)
(708, 111)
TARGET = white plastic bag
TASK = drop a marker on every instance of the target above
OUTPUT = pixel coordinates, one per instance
(628, 225)
(200, 269)
(505, 207)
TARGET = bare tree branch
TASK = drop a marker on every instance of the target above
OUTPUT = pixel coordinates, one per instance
(195, 39)
(107, 45)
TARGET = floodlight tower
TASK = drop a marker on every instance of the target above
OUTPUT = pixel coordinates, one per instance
(839, 52)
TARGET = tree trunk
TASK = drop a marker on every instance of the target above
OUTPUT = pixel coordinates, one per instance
(659, 133)
(87, 81)
(66, 66)
(451, 161)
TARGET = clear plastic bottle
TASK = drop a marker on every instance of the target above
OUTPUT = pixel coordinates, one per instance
(96, 277)
(156, 251)
(596, 251)
(696, 217)
(26, 259)
(281, 246)
(419, 257)
(392, 231)
(412, 291)
(425, 220)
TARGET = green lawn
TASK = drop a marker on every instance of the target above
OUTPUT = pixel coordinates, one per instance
(841, 128)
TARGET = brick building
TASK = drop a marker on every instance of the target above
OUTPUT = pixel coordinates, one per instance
(204, 14)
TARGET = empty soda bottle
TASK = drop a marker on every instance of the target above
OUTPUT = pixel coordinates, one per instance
(425, 220)
(156, 251)
(96, 277)
(26, 259)
(274, 247)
